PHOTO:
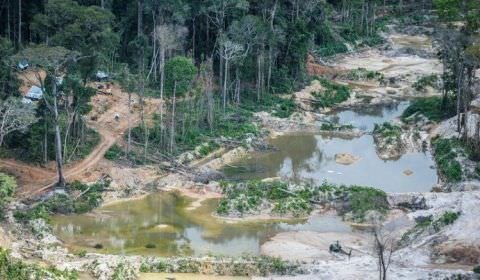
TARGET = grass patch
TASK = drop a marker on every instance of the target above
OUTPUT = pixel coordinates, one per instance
(18, 270)
(8, 184)
(428, 223)
(278, 106)
(114, 153)
(80, 198)
(445, 152)
(328, 126)
(430, 107)
(362, 74)
(91, 141)
(251, 197)
(425, 81)
(206, 148)
(390, 132)
(242, 266)
(364, 199)
(333, 94)
(446, 219)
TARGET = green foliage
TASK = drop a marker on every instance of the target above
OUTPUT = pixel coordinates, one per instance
(9, 82)
(446, 158)
(150, 246)
(207, 148)
(425, 81)
(248, 197)
(427, 224)
(331, 49)
(246, 265)
(296, 206)
(252, 196)
(446, 219)
(8, 185)
(390, 132)
(430, 107)
(180, 71)
(80, 198)
(476, 269)
(328, 126)
(277, 105)
(362, 74)
(333, 94)
(18, 270)
(364, 199)
(114, 153)
(88, 30)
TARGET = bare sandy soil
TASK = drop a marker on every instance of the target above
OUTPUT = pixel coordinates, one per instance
(34, 179)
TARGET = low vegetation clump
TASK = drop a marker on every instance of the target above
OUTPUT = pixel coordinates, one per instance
(16, 269)
(235, 124)
(243, 266)
(114, 153)
(329, 126)
(364, 199)
(363, 74)
(430, 107)
(333, 94)
(278, 106)
(446, 219)
(427, 224)
(280, 198)
(7, 190)
(445, 152)
(391, 133)
(425, 81)
(207, 148)
(79, 198)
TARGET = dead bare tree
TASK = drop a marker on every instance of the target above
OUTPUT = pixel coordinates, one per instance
(231, 52)
(169, 37)
(15, 116)
(384, 245)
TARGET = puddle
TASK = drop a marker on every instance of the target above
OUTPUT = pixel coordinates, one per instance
(311, 158)
(163, 220)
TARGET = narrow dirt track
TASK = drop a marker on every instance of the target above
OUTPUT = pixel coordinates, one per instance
(34, 180)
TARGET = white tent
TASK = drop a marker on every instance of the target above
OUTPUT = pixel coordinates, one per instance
(101, 75)
(35, 93)
(23, 64)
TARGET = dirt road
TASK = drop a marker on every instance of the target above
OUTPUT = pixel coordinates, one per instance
(34, 179)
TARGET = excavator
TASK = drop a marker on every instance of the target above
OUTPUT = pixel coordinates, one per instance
(337, 248)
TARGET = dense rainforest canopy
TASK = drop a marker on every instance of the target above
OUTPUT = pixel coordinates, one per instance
(221, 53)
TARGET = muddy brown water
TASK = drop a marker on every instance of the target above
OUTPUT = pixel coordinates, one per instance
(311, 157)
(162, 224)
(165, 221)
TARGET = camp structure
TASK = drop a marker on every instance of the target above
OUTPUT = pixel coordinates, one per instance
(34, 93)
(23, 65)
(101, 76)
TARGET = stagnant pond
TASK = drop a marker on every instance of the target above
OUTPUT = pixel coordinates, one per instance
(167, 221)
(311, 157)
(164, 224)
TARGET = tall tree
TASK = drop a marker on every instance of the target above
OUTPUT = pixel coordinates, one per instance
(52, 61)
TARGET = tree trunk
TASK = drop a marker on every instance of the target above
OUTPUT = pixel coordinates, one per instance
(45, 144)
(140, 18)
(225, 81)
(172, 132)
(19, 23)
(58, 141)
(129, 139)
